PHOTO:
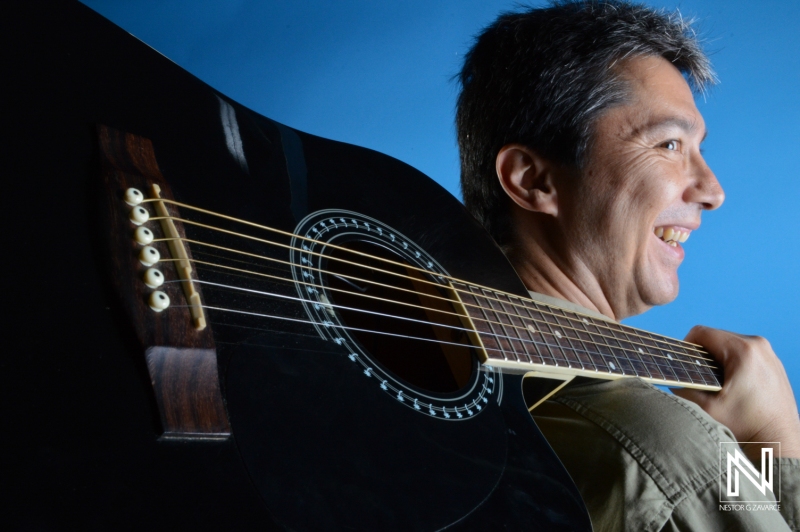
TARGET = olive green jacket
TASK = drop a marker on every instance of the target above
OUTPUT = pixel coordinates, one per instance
(646, 460)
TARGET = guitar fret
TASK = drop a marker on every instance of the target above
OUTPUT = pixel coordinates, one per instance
(691, 366)
(506, 325)
(590, 350)
(707, 372)
(651, 362)
(518, 326)
(555, 346)
(680, 371)
(603, 349)
(585, 336)
(714, 375)
(557, 337)
(563, 339)
(627, 351)
(482, 326)
(532, 329)
(644, 359)
(610, 356)
(580, 351)
(663, 359)
(569, 349)
(675, 361)
(619, 355)
(559, 356)
(499, 339)
(600, 358)
(700, 367)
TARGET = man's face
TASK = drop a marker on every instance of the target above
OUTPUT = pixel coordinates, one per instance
(645, 182)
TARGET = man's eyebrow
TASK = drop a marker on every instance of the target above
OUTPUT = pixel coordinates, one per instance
(668, 121)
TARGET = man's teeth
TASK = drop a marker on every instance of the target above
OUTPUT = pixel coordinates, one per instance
(671, 236)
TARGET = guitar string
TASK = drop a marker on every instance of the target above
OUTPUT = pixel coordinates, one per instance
(519, 338)
(622, 328)
(528, 355)
(537, 307)
(663, 369)
(679, 343)
(562, 348)
(663, 340)
(392, 316)
(333, 305)
(657, 370)
(599, 374)
(596, 372)
(538, 322)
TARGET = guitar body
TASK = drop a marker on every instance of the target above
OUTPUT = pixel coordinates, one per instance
(317, 440)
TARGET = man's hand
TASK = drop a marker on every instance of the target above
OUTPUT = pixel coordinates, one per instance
(756, 402)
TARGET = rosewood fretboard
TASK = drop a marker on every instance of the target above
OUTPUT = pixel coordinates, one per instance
(527, 335)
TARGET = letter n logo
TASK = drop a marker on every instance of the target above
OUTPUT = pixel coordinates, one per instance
(740, 470)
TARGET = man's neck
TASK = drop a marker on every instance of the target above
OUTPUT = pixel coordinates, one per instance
(540, 273)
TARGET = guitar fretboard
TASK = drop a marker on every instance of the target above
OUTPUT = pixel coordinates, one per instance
(524, 334)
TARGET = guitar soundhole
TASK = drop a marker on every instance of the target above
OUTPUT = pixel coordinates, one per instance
(423, 342)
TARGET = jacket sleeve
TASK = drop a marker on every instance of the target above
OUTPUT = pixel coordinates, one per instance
(645, 460)
(790, 491)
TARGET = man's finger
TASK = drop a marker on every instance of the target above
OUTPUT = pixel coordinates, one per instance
(710, 338)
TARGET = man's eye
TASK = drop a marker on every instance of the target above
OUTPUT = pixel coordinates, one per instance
(672, 145)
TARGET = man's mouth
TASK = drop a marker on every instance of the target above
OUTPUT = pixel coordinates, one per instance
(672, 235)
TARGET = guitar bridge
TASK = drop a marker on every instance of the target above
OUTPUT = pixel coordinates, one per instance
(184, 268)
(179, 347)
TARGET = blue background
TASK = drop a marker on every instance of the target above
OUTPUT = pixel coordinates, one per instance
(378, 74)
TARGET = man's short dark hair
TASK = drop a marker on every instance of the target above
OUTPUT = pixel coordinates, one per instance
(542, 77)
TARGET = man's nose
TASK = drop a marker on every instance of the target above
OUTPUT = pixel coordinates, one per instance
(706, 189)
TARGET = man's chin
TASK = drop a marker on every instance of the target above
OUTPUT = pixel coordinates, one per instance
(655, 294)
(663, 294)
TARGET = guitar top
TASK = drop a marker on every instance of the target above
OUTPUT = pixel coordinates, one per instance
(233, 380)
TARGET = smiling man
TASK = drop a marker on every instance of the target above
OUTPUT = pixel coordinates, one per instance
(610, 239)
(580, 148)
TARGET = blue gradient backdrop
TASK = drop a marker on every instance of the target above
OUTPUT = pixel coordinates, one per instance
(378, 74)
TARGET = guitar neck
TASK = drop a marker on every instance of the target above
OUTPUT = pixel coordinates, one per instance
(521, 334)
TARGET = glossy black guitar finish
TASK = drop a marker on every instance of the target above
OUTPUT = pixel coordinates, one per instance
(318, 442)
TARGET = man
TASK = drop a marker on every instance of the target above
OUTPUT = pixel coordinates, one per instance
(580, 148)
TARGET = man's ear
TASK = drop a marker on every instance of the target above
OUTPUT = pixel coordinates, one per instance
(528, 178)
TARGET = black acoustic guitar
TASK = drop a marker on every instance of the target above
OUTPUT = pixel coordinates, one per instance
(218, 322)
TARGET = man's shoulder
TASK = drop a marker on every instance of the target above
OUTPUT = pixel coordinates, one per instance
(644, 459)
(671, 440)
